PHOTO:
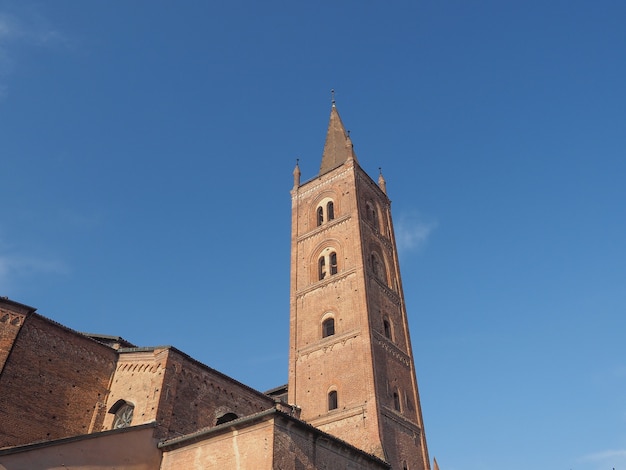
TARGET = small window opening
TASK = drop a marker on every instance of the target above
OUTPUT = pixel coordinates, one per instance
(328, 327)
(322, 268)
(332, 400)
(330, 211)
(374, 265)
(387, 329)
(225, 418)
(396, 400)
(333, 263)
(372, 216)
(320, 216)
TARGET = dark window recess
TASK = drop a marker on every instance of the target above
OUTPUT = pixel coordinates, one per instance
(387, 328)
(321, 265)
(332, 400)
(320, 216)
(333, 263)
(330, 211)
(328, 327)
(396, 400)
(225, 418)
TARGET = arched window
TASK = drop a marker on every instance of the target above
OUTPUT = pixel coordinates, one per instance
(325, 212)
(327, 265)
(330, 211)
(378, 268)
(321, 267)
(333, 263)
(225, 418)
(375, 265)
(396, 400)
(387, 328)
(123, 412)
(372, 215)
(320, 216)
(332, 400)
(328, 327)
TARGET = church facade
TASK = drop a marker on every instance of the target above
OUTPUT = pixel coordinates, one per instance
(75, 400)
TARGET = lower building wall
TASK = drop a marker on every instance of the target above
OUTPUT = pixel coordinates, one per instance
(275, 442)
(250, 448)
(128, 449)
(300, 448)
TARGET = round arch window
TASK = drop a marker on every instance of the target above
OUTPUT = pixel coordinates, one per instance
(123, 416)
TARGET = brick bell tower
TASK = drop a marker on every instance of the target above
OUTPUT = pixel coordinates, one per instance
(351, 367)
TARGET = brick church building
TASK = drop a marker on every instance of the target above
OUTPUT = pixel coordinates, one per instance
(82, 401)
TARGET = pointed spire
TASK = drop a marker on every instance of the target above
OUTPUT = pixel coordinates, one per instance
(435, 465)
(296, 174)
(382, 184)
(338, 146)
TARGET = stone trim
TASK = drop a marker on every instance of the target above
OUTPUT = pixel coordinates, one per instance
(341, 276)
(337, 415)
(301, 194)
(392, 349)
(329, 342)
(324, 227)
(406, 425)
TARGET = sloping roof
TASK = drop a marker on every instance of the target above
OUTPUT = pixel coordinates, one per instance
(338, 146)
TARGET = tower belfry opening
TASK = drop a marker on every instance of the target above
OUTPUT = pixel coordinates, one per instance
(345, 268)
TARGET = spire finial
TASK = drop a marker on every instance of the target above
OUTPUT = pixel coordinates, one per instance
(296, 174)
(382, 184)
(332, 95)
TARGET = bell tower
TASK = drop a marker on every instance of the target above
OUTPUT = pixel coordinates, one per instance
(351, 367)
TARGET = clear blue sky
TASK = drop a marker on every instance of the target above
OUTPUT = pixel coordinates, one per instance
(146, 155)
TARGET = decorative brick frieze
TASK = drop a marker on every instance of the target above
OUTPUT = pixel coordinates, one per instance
(322, 229)
(327, 344)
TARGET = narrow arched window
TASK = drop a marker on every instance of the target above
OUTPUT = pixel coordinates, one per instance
(375, 265)
(387, 329)
(320, 216)
(333, 263)
(371, 214)
(330, 211)
(328, 327)
(396, 400)
(332, 400)
(321, 265)
(378, 268)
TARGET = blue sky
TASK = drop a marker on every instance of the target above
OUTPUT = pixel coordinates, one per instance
(146, 154)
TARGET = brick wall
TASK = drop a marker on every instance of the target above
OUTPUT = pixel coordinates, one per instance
(53, 384)
(249, 447)
(299, 447)
(268, 441)
(194, 396)
(12, 316)
(138, 380)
